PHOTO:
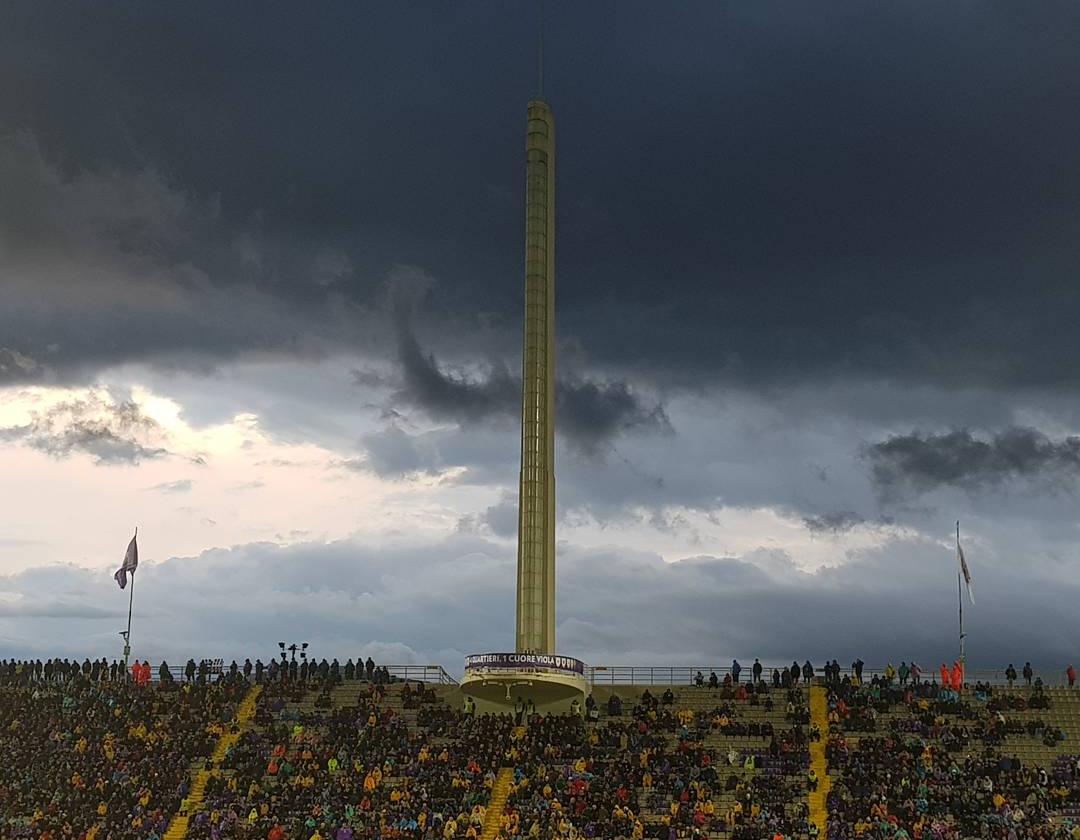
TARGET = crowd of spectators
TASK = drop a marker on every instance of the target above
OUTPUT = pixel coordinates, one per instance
(104, 760)
(95, 751)
(941, 765)
(355, 771)
(904, 787)
(660, 769)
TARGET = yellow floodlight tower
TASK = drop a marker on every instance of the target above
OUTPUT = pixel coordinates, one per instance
(536, 489)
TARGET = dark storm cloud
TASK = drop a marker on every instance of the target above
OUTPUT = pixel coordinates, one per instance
(500, 519)
(590, 413)
(103, 265)
(779, 192)
(833, 523)
(15, 367)
(393, 453)
(109, 433)
(923, 462)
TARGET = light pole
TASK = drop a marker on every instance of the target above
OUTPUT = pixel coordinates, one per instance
(292, 648)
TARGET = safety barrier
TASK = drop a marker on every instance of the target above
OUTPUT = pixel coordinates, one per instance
(416, 673)
(676, 675)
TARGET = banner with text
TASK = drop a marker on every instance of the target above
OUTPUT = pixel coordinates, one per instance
(518, 661)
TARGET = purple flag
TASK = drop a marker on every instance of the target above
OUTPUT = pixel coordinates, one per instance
(131, 562)
(965, 571)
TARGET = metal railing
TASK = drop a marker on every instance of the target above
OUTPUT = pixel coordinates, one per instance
(416, 673)
(422, 673)
(685, 675)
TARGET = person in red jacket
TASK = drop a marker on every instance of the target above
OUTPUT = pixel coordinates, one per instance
(957, 676)
(946, 680)
(1070, 673)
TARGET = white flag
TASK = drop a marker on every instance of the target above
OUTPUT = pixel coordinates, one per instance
(131, 562)
(965, 571)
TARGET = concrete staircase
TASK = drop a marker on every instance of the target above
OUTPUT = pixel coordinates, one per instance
(499, 793)
(816, 799)
(200, 776)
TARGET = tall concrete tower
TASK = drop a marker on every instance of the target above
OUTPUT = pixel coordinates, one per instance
(498, 682)
(536, 492)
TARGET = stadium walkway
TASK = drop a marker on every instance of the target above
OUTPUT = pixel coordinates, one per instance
(499, 793)
(816, 800)
(177, 829)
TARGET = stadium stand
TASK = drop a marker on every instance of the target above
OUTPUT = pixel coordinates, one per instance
(921, 761)
(103, 760)
(331, 755)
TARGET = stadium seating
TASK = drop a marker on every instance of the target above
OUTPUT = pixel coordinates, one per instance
(923, 762)
(354, 761)
(107, 760)
(347, 759)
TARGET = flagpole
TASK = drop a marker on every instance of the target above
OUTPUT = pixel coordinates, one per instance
(127, 635)
(131, 600)
(960, 597)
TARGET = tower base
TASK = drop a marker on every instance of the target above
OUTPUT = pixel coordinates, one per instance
(503, 683)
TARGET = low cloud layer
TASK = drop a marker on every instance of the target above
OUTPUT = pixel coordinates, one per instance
(417, 602)
(919, 462)
(835, 522)
(181, 485)
(110, 433)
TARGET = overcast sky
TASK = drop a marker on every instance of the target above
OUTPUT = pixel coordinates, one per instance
(818, 294)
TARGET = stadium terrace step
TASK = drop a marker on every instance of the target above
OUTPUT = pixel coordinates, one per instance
(499, 794)
(817, 799)
(245, 713)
